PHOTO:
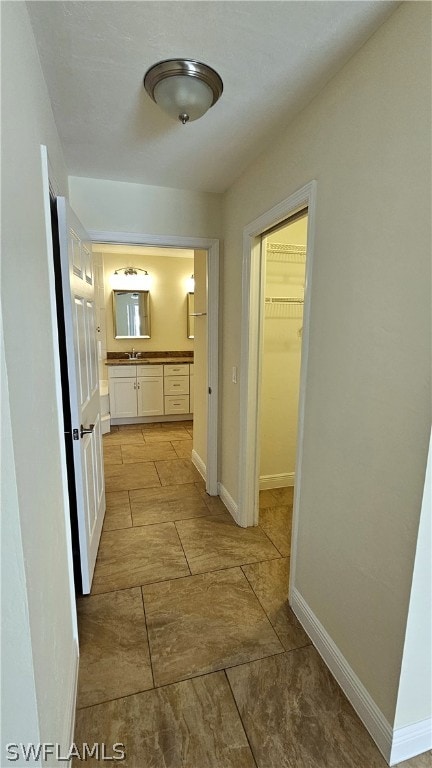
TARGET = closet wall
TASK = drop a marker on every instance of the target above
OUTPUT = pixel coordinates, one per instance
(285, 253)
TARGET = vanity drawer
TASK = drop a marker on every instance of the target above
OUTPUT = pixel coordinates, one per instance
(177, 370)
(149, 370)
(176, 404)
(176, 385)
(121, 371)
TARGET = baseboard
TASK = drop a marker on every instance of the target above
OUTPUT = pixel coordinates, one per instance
(284, 480)
(117, 422)
(199, 464)
(366, 708)
(229, 502)
(410, 741)
(69, 729)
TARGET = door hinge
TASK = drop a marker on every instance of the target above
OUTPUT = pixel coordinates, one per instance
(209, 390)
(75, 434)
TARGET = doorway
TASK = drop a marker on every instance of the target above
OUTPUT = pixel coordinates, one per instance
(252, 330)
(283, 262)
(207, 252)
(283, 256)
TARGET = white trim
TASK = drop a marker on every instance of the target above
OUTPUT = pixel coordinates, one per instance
(47, 178)
(150, 419)
(229, 502)
(212, 366)
(311, 191)
(284, 480)
(249, 381)
(211, 245)
(410, 741)
(199, 464)
(71, 703)
(162, 241)
(366, 708)
(252, 301)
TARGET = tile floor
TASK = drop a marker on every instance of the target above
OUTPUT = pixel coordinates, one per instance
(190, 655)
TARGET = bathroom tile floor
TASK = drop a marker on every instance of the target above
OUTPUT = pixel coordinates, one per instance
(189, 653)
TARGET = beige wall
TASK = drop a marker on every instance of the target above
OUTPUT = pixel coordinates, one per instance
(19, 713)
(168, 315)
(200, 357)
(281, 357)
(366, 140)
(40, 601)
(116, 206)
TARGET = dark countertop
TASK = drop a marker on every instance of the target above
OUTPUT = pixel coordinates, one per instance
(149, 361)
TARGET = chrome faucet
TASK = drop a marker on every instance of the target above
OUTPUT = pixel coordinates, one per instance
(133, 355)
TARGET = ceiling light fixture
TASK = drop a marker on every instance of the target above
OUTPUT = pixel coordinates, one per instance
(184, 88)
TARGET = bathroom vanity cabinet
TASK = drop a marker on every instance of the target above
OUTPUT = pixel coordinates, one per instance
(149, 390)
(136, 391)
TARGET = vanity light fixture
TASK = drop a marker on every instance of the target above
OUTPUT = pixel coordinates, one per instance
(127, 278)
(184, 88)
(191, 284)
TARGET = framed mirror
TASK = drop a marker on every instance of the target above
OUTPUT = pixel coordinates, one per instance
(190, 317)
(131, 313)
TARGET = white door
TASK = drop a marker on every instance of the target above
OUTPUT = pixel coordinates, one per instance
(82, 364)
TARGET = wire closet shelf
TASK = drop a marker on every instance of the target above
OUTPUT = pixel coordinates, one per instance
(283, 307)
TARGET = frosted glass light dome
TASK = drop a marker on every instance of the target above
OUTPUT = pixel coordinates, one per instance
(181, 95)
(184, 88)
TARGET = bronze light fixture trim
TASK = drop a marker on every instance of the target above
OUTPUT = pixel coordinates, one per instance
(184, 88)
(130, 270)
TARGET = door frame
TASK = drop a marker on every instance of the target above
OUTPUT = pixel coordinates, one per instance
(211, 245)
(251, 347)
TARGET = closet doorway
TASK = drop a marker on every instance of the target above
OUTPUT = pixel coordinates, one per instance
(253, 303)
(283, 255)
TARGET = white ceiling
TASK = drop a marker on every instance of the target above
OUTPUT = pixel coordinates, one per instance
(273, 58)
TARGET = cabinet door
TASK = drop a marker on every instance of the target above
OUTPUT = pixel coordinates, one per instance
(150, 396)
(123, 397)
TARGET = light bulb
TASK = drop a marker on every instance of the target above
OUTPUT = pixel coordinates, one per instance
(190, 284)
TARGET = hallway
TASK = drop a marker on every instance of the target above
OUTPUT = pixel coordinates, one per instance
(189, 654)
